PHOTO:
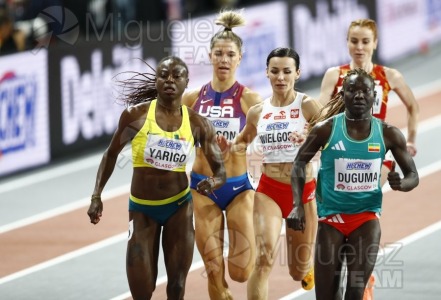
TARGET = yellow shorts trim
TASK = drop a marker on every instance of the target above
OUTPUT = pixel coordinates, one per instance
(160, 202)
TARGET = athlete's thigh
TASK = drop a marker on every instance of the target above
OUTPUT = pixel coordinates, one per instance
(241, 238)
(362, 250)
(178, 241)
(209, 221)
(239, 215)
(328, 262)
(142, 248)
(267, 223)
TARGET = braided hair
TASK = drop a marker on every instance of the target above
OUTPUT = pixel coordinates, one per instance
(336, 105)
(228, 19)
(141, 87)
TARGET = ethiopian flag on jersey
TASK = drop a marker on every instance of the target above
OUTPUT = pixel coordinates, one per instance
(373, 147)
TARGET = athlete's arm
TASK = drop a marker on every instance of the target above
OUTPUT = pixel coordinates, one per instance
(249, 99)
(249, 131)
(329, 81)
(129, 124)
(190, 97)
(204, 133)
(316, 139)
(399, 86)
(395, 141)
(310, 107)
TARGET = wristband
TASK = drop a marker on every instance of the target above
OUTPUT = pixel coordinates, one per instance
(95, 197)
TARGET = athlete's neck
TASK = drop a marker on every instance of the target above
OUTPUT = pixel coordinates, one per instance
(221, 86)
(283, 100)
(357, 120)
(367, 66)
(169, 107)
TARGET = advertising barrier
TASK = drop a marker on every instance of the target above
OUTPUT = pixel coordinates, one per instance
(84, 79)
(24, 122)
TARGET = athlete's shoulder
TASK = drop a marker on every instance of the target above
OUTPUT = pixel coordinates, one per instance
(392, 74)
(190, 97)
(335, 68)
(306, 98)
(250, 97)
(326, 124)
(332, 74)
(135, 111)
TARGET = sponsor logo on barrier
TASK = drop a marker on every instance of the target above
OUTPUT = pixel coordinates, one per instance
(88, 97)
(24, 135)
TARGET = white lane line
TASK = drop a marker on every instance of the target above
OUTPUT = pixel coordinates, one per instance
(121, 190)
(78, 165)
(420, 92)
(47, 175)
(63, 258)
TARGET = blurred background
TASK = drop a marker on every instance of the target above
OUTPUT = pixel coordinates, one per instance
(59, 58)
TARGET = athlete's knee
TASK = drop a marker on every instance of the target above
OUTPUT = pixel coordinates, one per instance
(176, 289)
(240, 266)
(239, 274)
(354, 293)
(136, 254)
(264, 262)
(214, 266)
(141, 296)
(141, 291)
(297, 275)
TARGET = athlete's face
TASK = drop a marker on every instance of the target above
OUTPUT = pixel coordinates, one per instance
(225, 57)
(171, 79)
(282, 73)
(359, 95)
(361, 44)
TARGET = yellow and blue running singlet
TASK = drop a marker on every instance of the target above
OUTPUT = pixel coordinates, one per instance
(156, 148)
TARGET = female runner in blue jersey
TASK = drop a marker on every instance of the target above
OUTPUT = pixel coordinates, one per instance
(225, 102)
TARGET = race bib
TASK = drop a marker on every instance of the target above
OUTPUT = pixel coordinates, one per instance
(356, 175)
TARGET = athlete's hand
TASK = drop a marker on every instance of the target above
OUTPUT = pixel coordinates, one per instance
(95, 211)
(223, 144)
(411, 148)
(206, 186)
(296, 219)
(299, 137)
(394, 178)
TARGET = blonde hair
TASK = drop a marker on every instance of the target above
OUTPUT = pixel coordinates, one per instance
(228, 19)
(369, 23)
